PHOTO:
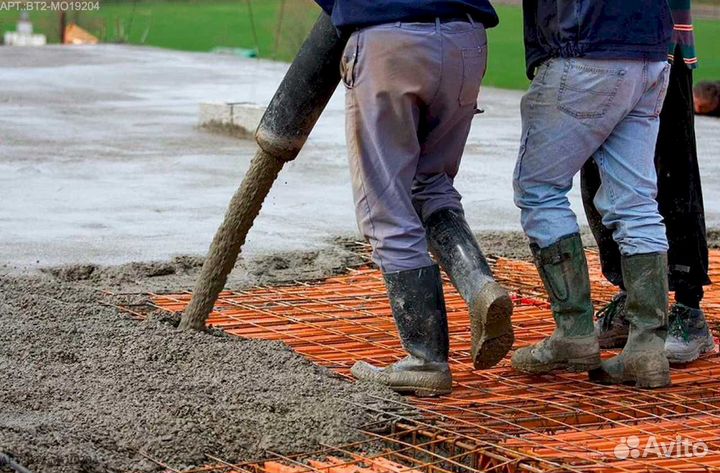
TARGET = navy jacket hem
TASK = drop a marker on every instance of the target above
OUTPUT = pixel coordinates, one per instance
(608, 52)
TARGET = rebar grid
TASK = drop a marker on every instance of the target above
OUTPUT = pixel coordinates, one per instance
(408, 448)
(508, 421)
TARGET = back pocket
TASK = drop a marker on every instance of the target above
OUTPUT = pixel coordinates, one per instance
(662, 87)
(587, 91)
(474, 64)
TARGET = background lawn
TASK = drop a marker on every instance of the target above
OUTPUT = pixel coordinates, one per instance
(278, 28)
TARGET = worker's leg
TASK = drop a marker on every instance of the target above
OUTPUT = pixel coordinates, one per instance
(387, 85)
(610, 324)
(447, 117)
(680, 190)
(391, 72)
(444, 128)
(626, 199)
(609, 252)
(681, 204)
(572, 106)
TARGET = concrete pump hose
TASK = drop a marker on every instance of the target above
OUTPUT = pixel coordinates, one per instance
(303, 94)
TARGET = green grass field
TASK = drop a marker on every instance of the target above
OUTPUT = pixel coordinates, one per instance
(195, 25)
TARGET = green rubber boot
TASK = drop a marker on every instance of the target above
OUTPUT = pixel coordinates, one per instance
(418, 307)
(643, 361)
(573, 346)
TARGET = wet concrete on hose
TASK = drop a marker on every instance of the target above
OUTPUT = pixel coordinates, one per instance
(230, 237)
(86, 389)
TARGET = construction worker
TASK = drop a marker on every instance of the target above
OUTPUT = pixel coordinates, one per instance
(681, 205)
(600, 74)
(412, 71)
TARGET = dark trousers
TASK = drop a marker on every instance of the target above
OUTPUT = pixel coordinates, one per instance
(679, 194)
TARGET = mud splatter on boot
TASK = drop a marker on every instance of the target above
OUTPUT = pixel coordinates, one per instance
(573, 346)
(642, 361)
(490, 307)
(418, 306)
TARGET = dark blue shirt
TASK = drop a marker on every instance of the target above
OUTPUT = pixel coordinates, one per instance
(596, 29)
(352, 14)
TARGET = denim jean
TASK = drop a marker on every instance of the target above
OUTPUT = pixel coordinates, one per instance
(412, 92)
(680, 197)
(608, 110)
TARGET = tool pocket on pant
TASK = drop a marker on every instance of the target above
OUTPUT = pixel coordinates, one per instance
(587, 91)
(558, 285)
(348, 63)
(662, 85)
(555, 279)
(474, 62)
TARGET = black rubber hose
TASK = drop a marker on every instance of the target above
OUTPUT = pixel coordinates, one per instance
(303, 94)
(9, 462)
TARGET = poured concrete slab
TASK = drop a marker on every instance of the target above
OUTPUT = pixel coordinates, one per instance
(101, 158)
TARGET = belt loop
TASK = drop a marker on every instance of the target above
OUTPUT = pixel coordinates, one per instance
(437, 24)
(472, 22)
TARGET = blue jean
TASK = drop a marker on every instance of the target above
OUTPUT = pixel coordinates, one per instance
(609, 110)
(412, 91)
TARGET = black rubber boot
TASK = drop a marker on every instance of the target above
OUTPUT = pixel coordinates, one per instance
(456, 249)
(643, 361)
(418, 306)
(573, 346)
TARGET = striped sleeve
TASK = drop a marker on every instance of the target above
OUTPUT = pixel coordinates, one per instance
(683, 38)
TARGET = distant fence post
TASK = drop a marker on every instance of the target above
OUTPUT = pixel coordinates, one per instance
(63, 24)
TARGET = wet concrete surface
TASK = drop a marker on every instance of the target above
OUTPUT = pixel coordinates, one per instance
(86, 389)
(101, 160)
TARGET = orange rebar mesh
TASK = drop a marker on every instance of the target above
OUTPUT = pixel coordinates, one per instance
(504, 420)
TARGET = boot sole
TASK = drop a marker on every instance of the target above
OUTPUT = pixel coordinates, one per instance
(645, 381)
(427, 385)
(580, 365)
(421, 392)
(491, 326)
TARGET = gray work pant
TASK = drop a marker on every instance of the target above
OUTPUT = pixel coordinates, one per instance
(411, 95)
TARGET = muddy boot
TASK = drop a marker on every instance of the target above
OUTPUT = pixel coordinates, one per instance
(689, 336)
(418, 306)
(610, 323)
(642, 362)
(456, 249)
(573, 346)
